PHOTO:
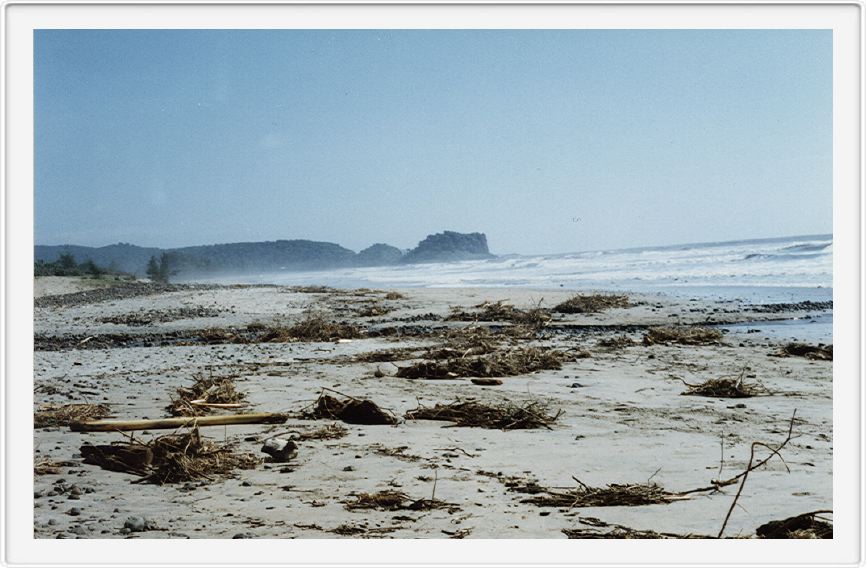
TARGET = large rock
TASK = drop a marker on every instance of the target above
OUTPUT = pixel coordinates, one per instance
(449, 246)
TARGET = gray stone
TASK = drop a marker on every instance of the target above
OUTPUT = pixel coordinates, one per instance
(136, 523)
(280, 450)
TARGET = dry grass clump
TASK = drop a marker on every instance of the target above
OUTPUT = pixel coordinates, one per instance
(350, 410)
(219, 335)
(502, 416)
(314, 327)
(500, 311)
(591, 303)
(50, 467)
(312, 289)
(818, 352)
(617, 342)
(516, 361)
(807, 525)
(684, 335)
(50, 415)
(394, 501)
(725, 387)
(205, 395)
(330, 432)
(373, 310)
(394, 295)
(173, 458)
(613, 495)
(618, 531)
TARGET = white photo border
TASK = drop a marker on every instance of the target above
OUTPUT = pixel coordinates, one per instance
(19, 19)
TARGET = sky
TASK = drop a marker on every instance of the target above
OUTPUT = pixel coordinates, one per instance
(546, 140)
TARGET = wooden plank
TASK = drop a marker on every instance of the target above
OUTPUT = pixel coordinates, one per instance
(171, 423)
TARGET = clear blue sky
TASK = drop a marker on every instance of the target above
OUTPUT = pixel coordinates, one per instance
(548, 141)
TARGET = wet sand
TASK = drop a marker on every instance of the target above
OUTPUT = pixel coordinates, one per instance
(624, 419)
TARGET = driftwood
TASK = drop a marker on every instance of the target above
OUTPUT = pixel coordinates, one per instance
(172, 423)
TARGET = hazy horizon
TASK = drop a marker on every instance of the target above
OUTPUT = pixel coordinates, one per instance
(545, 140)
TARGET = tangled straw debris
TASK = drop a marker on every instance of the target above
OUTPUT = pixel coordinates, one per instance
(350, 410)
(618, 531)
(613, 495)
(617, 342)
(725, 387)
(395, 501)
(591, 303)
(820, 352)
(50, 415)
(330, 432)
(205, 395)
(516, 361)
(807, 525)
(684, 335)
(499, 312)
(503, 416)
(172, 458)
(315, 327)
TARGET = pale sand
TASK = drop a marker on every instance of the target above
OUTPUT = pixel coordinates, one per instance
(624, 423)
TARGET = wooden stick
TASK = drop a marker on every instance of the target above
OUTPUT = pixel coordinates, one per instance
(168, 423)
(217, 404)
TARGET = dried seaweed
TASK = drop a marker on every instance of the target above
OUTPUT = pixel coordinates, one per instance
(517, 361)
(50, 415)
(818, 352)
(617, 342)
(329, 432)
(503, 416)
(196, 400)
(725, 387)
(350, 410)
(591, 303)
(684, 335)
(172, 458)
(807, 525)
(395, 501)
(613, 495)
(394, 295)
(313, 327)
(502, 312)
(385, 355)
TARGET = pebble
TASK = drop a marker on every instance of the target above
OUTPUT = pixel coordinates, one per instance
(73, 512)
(244, 535)
(136, 523)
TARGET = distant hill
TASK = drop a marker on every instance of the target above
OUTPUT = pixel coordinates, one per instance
(281, 255)
(448, 247)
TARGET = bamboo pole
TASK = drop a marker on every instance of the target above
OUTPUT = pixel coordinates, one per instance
(171, 423)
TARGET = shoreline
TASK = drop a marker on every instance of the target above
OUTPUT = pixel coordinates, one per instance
(622, 416)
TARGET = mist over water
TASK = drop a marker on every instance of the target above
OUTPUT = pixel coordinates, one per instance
(784, 270)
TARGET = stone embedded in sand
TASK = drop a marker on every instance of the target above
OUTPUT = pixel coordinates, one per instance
(280, 450)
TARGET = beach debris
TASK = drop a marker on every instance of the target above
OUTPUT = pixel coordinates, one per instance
(725, 387)
(390, 500)
(178, 422)
(505, 415)
(51, 467)
(312, 289)
(486, 382)
(807, 525)
(399, 452)
(614, 530)
(394, 295)
(349, 409)
(50, 415)
(205, 395)
(142, 317)
(137, 523)
(616, 342)
(500, 311)
(818, 352)
(386, 355)
(280, 450)
(591, 303)
(612, 495)
(684, 335)
(332, 431)
(313, 327)
(172, 458)
(373, 310)
(511, 362)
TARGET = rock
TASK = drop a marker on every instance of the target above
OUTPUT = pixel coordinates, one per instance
(449, 246)
(136, 523)
(73, 512)
(379, 255)
(486, 382)
(280, 450)
(244, 535)
(576, 386)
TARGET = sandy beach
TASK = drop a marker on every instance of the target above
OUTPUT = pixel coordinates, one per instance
(613, 407)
